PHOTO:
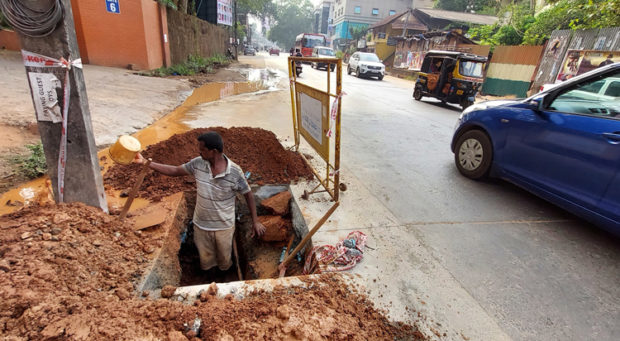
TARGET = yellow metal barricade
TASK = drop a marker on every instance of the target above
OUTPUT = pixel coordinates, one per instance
(316, 121)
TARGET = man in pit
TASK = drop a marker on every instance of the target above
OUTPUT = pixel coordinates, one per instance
(218, 179)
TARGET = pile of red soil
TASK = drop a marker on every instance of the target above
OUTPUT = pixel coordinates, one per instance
(68, 272)
(255, 150)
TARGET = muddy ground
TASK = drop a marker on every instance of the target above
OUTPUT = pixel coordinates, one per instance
(255, 150)
(69, 271)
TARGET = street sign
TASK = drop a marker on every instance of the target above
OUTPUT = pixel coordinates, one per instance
(112, 6)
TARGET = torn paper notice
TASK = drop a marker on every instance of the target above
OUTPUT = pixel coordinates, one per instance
(44, 95)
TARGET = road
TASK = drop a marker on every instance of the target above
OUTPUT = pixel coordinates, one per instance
(540, 272)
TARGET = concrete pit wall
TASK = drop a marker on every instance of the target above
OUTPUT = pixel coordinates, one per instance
(166, 269)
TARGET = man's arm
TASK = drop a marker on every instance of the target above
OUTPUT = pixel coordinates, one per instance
(257, 228)
(160, 167)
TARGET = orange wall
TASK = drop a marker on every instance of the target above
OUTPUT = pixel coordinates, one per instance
(9, 40)
(109, 39)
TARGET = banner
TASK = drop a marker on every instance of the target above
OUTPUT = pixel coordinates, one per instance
(579, 61)
(224, 12)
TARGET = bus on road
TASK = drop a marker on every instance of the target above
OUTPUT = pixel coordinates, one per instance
(305, 42)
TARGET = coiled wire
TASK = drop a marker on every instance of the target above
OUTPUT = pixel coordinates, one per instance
(32, 22)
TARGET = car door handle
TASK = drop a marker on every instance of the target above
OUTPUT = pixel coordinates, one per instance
(613, 138)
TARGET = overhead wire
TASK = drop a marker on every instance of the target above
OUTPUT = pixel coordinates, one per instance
(30, 21)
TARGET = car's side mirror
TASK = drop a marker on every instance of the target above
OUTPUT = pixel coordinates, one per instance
(536, 103)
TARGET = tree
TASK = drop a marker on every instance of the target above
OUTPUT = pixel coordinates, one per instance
(524, 28)
(292, 18)
(573, 14)
(510, 32)
(357, 32)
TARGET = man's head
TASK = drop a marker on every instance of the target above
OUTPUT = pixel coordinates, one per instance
(210, 143)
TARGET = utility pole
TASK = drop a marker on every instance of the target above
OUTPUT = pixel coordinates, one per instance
(236, 42)
(406, 22)
(82, 174)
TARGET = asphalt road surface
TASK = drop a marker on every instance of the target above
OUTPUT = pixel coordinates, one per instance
(541, 272)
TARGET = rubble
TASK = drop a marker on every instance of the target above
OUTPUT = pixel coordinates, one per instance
(70, 290)
(257, 151)
(278, 204)
(277, 229)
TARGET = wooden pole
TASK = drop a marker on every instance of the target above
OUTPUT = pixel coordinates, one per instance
(134, 190)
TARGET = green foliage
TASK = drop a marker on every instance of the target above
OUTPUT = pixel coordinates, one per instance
(194, 64)
(523, 28)
(240, 31)
(261, 8)
(32, 165)
(511, 33)
(339, 54)
(557, 17)
(292, 18)
(357, 32)
(597, 14)
(168, 3)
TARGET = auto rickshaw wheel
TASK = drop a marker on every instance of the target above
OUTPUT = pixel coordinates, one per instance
(465, 103)
(417, 93)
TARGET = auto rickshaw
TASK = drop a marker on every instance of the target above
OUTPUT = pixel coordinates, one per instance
(453, 77)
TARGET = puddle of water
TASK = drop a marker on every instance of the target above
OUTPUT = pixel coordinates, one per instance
(268, 78)
(162, 129)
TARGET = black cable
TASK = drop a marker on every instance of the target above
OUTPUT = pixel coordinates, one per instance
(32, 22)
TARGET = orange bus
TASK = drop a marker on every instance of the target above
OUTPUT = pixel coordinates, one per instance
(305, 42)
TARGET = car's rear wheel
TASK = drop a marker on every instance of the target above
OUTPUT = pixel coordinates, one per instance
(417, 93)
(473, 154)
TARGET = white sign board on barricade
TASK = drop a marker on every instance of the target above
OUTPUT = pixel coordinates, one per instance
(311, 112)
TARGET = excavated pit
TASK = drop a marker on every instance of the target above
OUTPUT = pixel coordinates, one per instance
(178, 264)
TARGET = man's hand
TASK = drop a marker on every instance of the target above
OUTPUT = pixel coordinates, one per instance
(139, 159)
(257, 229)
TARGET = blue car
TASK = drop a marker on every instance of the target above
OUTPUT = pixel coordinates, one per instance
(562, 144)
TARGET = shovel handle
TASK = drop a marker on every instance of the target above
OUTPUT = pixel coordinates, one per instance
(135, 189)
(303, 242)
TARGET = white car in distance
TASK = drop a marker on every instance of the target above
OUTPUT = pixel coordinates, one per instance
(366, 64)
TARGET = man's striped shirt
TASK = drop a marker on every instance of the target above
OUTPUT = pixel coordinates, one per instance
(215, 199)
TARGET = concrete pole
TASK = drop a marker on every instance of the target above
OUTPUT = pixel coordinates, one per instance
(83, 180)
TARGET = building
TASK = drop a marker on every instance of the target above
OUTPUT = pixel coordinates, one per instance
(321, 16)
(141, 34)
(351, 14)
(424, 23)
(382, 33)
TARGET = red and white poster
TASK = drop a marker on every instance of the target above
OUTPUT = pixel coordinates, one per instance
(224, 12)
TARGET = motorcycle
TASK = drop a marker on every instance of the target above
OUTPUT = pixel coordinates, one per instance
(298, 68)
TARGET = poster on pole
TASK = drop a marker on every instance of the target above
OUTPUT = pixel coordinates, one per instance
(43, 86)
(224, 12)
(313, 117)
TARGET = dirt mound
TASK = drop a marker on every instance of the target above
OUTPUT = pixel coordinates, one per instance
(67, 272)
(256, 150)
